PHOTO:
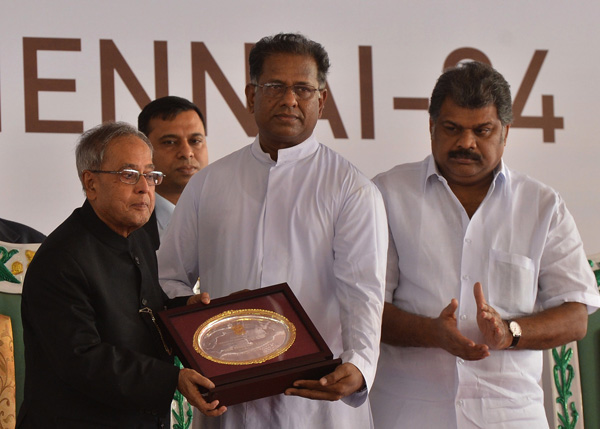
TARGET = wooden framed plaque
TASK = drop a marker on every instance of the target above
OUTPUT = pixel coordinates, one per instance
(250, 344)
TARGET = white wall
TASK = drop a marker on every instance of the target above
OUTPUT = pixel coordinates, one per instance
(409, 41)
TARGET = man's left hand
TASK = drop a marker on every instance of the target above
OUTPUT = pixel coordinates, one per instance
(188, 383)
(491, 325)
(344, 381)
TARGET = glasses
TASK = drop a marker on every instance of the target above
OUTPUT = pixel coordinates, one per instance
(276, 90)
(131, 177)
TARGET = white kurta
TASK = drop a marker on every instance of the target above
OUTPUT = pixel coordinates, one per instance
(311, 219)
(522, 245)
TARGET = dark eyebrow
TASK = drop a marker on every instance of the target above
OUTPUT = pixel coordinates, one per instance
(176, 137)
(483, 124)
(448, 122)
(280, 82)
(170, 136)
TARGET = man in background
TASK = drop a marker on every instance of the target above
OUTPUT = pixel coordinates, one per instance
(177, 131)
(288, 209)
(486, 269)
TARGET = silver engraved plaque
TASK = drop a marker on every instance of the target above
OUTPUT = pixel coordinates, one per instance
(243, 337)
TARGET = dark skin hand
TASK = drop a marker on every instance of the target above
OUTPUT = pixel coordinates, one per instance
(541, 331)
(401, 328)
(189, 380)
(204, 297)
(343, 381)
(491, 325)
(201, 297)
(452, 340)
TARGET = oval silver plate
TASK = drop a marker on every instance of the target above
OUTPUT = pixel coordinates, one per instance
(243, 337)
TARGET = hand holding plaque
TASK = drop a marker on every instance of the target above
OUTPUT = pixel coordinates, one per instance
(343, 381)
(250, 344)
(188, 383)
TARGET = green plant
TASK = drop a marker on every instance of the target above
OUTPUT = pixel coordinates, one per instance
(182, 412)
(563, 377)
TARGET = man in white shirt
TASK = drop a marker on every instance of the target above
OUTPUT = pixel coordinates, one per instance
(288, 209)
(485, 269)
(177, 130)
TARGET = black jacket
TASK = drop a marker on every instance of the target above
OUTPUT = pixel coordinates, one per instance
(92, 359)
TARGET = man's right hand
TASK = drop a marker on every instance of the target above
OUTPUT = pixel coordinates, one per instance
(188, 383)
(449, 338)
(200, 297)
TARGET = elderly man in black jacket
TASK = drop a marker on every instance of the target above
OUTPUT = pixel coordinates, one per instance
(94, 356)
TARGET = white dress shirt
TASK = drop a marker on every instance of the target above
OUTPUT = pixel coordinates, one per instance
(311, 219)
(164, 210)
(522, 245)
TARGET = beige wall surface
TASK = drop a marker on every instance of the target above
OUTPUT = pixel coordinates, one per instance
(66, 66)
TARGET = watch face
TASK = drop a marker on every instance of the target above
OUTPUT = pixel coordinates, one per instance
(515, 329)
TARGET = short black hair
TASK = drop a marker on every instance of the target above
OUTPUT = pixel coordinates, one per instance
(473, 85)
(288, 43)
(165, 108)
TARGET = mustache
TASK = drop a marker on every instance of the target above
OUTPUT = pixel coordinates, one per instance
(288, 111)
(465, 154)
(188, 163)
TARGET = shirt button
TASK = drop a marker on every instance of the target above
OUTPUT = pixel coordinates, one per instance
(465, 277)
(460, 403)
(144, 301)
(468, 240)
(137, 260)
(463, 317)
(461, 361)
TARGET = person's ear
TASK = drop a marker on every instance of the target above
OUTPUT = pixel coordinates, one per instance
(506, 128)
(250, 94)
(322, 98)
(89, 184)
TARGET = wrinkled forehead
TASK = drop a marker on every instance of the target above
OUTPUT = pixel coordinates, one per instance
(127, 151)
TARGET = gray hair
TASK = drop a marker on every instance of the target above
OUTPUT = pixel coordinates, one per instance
(473, 85)
(91, 146)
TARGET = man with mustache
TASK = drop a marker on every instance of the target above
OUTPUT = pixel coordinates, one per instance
(177, 130)
(286, 208)
(485, 269)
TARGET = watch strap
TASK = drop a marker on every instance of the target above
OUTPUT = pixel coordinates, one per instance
(516, 336)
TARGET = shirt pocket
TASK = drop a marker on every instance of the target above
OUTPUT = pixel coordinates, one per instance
(511, 288)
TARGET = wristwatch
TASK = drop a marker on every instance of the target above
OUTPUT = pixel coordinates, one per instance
(515, 330)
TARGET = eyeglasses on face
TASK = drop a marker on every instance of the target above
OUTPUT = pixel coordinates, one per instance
(276, 90)
(131, 177)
